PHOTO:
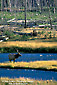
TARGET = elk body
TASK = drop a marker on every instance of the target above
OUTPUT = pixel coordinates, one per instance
(14, 56)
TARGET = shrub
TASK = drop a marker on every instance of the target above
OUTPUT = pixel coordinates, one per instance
(45, 36)
(34, 33)
(24, 38)
(9, 33)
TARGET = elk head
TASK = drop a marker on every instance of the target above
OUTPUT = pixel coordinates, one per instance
(18, 54)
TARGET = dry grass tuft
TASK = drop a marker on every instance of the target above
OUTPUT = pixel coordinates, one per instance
(48, 65)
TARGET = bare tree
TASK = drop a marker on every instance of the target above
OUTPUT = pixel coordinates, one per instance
(54, 5)
(45, 1)
(49, 14)
(25, 11)
(10, 5)
(2, 4)
(38, 3)
(29, 4)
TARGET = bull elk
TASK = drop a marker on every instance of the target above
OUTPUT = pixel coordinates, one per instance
(14, 56)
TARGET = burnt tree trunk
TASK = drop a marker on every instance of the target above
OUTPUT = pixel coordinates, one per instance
(49, 14)
(25, 12)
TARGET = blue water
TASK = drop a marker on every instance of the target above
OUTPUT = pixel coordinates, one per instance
(27, 57)
(35, 74)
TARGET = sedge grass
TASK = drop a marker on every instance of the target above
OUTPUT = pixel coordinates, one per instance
(31, 44)
(28, 50)
(43, 65)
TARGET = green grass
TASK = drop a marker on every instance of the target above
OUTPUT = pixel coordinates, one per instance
(28, 50)
(30, 15)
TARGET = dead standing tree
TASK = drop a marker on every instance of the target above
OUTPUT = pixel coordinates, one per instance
(49, 14)
(10, 5)
(2, 5)
(25, 12)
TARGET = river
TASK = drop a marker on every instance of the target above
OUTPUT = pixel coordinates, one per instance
(34, 74)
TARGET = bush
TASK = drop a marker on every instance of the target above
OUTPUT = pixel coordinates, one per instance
(34, 33)
(24, 38)
(50, 36)
(8, 33)
(45, 36)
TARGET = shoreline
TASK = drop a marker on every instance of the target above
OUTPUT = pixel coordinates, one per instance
(28, 47)
(12, 49)
(42, 69)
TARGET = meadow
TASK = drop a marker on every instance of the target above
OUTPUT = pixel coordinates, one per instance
(31, 15)
(29, 44)
(28, 47)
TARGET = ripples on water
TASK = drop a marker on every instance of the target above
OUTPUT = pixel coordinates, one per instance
(27, 57)
(35, 74)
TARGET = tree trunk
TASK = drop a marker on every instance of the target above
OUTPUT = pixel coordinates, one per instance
(5, 4)
(15, 3)
(54, 6)
(2, 5)
(54, 10)
(38, 3)
(10, 5)
(49, 14)
(25, 12)
(41, 5)
(45, 2)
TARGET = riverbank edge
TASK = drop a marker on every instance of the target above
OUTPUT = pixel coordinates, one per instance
(12, 49)
(43, 69)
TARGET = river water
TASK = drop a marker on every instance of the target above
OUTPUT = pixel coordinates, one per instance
(34, 74)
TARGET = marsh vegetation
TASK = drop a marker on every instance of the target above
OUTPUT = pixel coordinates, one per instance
(40, 65)
(22, 80)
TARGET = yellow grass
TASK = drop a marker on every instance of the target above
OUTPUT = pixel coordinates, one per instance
(31, 44)
(36, 64)
(29, 30)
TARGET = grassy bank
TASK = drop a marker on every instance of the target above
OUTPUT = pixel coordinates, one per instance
(26, 81)
(28, 47)
(28, 50)
(38, 65)
(28, 44)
